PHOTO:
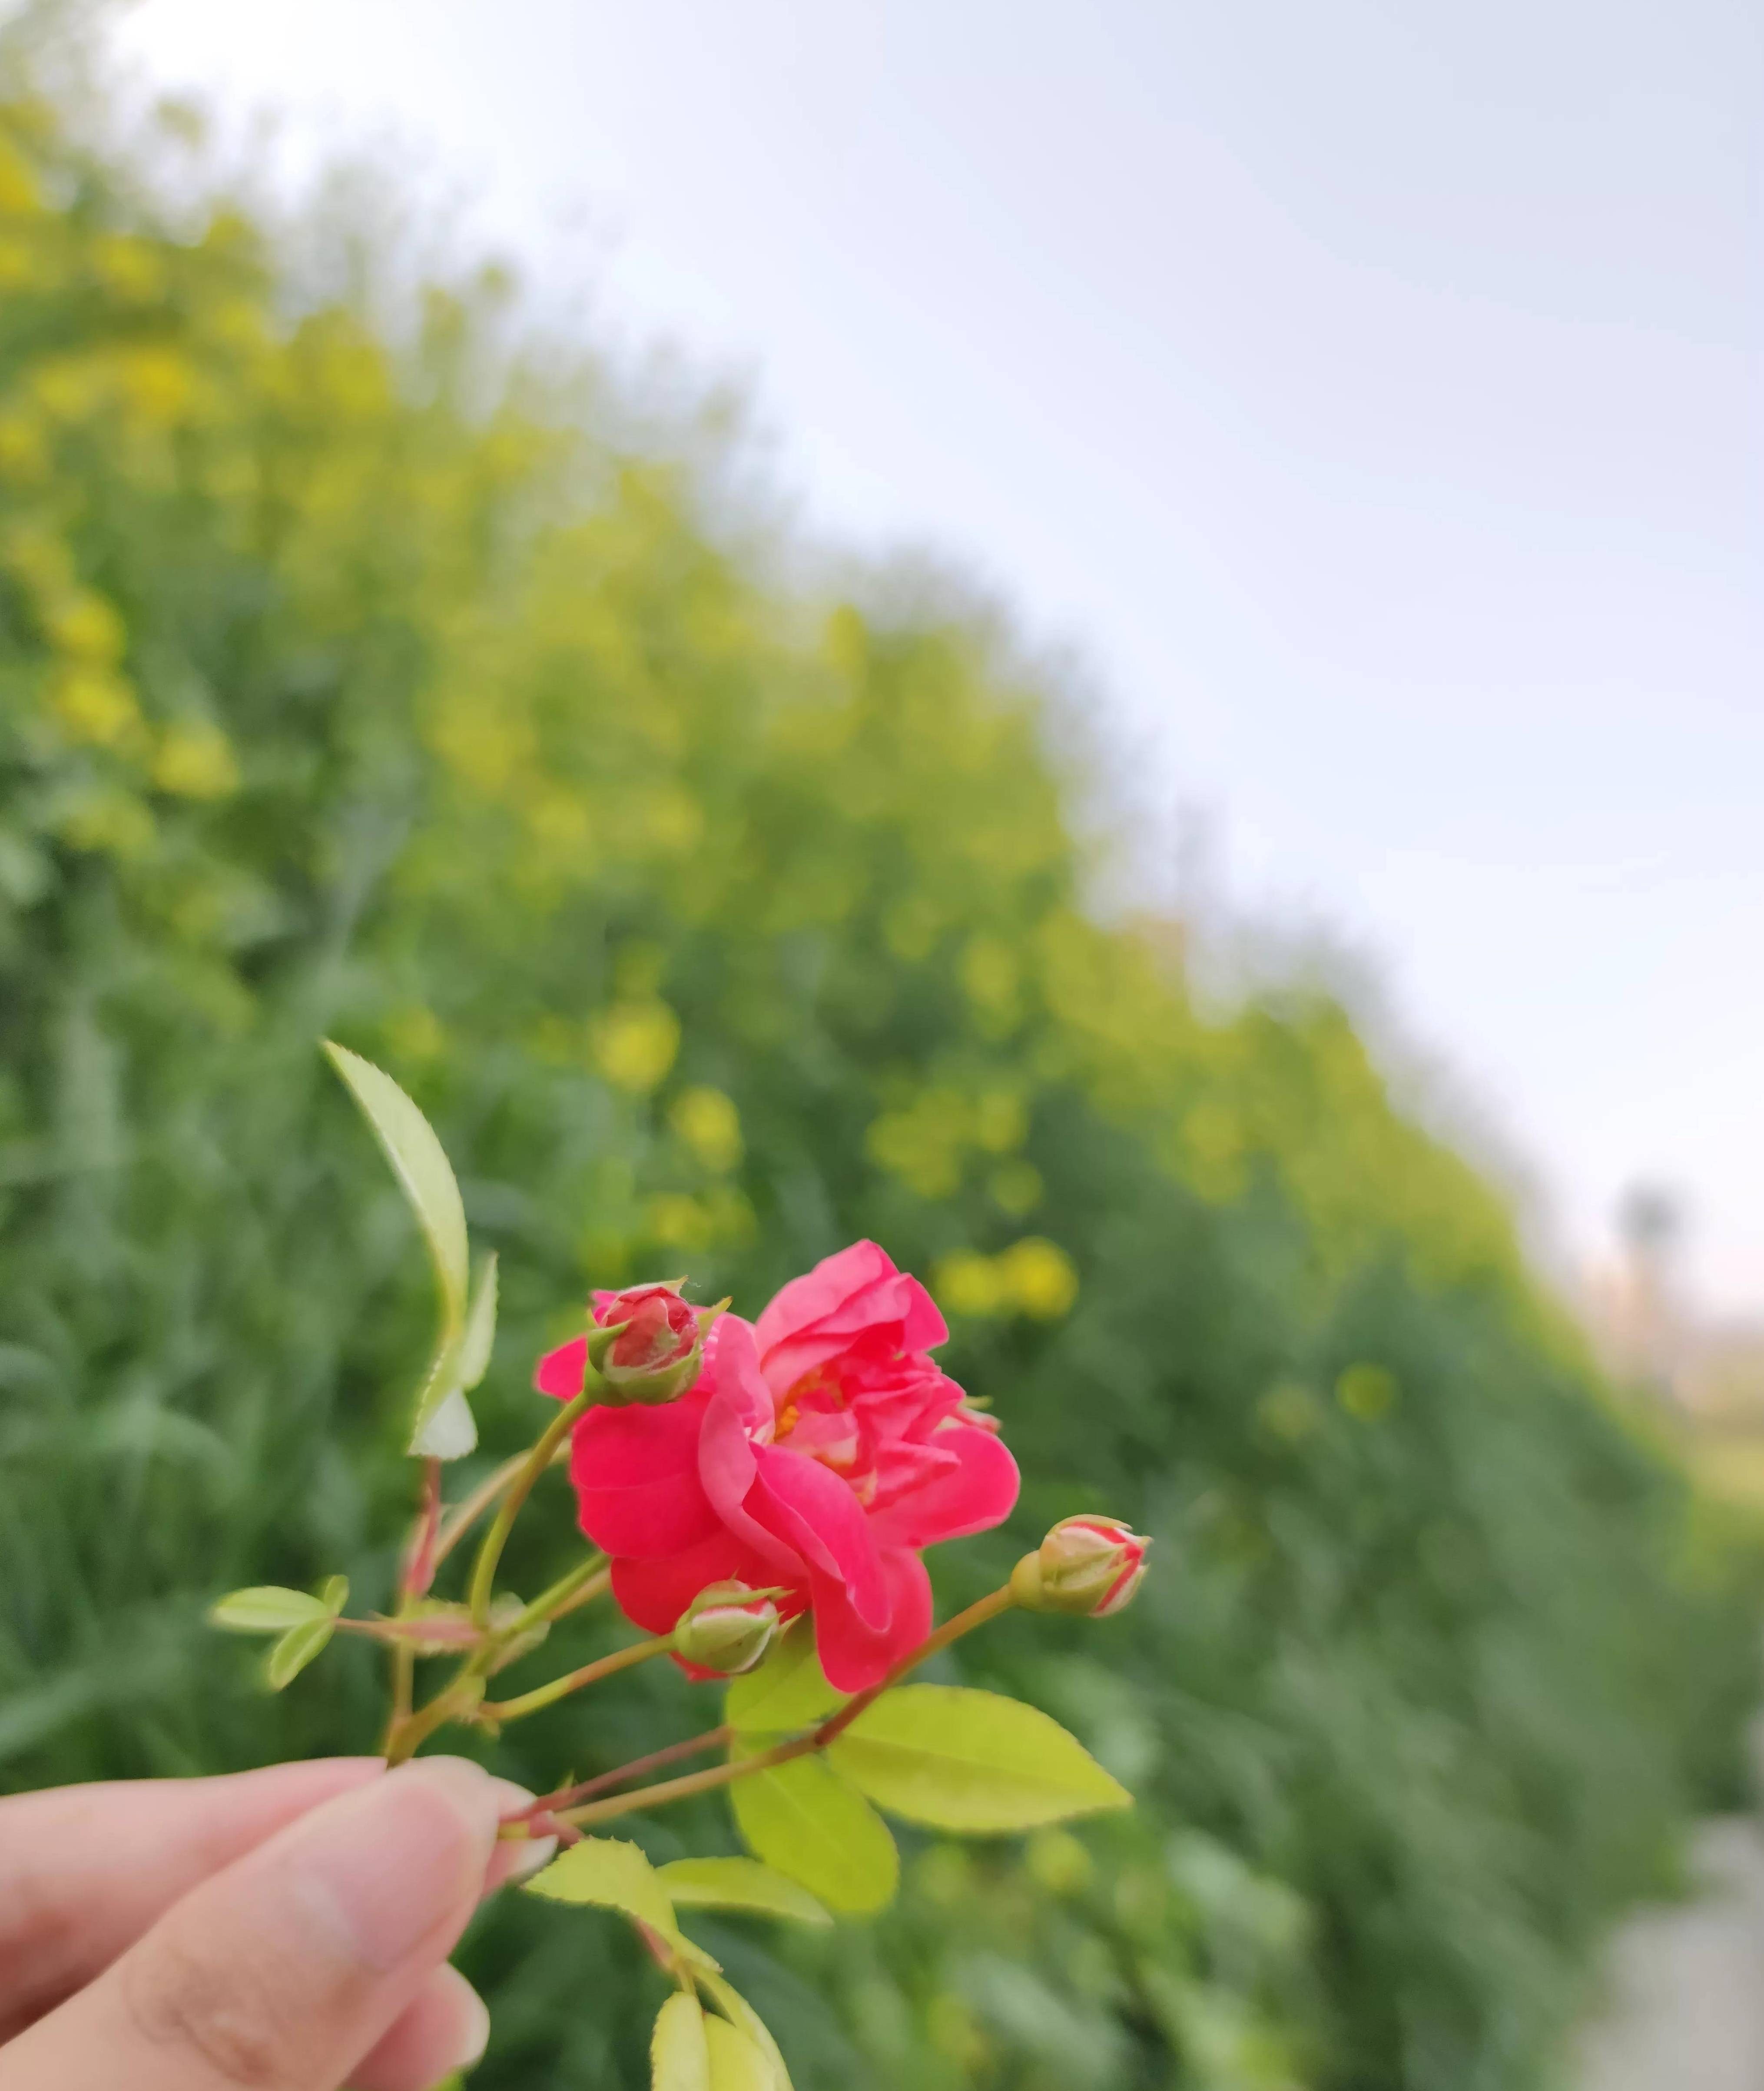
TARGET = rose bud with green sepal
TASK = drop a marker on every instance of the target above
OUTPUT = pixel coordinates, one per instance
(726, 1629)
(645, 1347)
(1091, 1566)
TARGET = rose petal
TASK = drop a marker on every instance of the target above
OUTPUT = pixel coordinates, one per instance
(856, 1298)
(560, 1373)
(636, 1473)
(653, 1594)
(819, 1291)
(979, 1492)
(814, 1511)
(739, 1411)
(853, 1657)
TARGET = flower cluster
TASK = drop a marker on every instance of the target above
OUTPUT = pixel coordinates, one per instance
(817, 1451)
(734, 1477)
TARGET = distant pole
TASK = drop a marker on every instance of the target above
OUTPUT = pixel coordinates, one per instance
(1650, 1224)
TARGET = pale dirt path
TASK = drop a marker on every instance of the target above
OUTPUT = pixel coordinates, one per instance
(1686, 1984)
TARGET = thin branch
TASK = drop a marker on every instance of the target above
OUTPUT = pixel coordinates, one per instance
(561, 1687)
(460, 1520)
(483, 1568)
(622, 1774)
(818, 1737)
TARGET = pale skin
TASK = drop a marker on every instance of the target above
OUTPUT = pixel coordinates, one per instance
(280, 1930)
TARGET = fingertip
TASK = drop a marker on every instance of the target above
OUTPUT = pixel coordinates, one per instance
(445, 2028)
(481, 1802)
(515, 1859)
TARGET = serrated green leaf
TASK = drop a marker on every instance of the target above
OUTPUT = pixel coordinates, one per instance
(736, 2007)
(480, 1336)
(814, 1827)
(738, 1884)
(420, 1164)
(694, 1956)
(957, 1759)
(786, 1692)
(680, 2054)
(446, 1428)
(266, 1608)
(334, 1594)
(296, 1649)
(426, 1178)
(610, 1874)
(737, 2064)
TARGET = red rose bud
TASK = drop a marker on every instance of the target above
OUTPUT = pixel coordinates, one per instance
(1089, 1565)
(647, 1344)
(726, 1627)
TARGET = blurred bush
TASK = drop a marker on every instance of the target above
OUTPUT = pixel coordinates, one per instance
(349, 687)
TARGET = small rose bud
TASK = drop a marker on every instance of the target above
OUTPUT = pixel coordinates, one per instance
(646, 1344)
(726, 1627)
(1089, 1565)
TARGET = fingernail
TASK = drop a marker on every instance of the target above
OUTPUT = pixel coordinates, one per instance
(517, 1860)
(475, 2033)
(529, 1857)
(515, 1800)
(402, 1859)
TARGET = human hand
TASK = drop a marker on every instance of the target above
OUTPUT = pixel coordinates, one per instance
(279, 1930)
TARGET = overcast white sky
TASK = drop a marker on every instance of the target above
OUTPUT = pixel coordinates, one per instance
(1368, 391)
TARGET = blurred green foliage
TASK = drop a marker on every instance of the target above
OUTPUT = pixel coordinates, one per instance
(348, 687)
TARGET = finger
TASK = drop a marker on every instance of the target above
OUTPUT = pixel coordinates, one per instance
(519, 1862)
(84, 1870)
(283, 1972)
(445, 2028)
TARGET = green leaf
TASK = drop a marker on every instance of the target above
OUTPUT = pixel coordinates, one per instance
(737, 2064)
(690, 1955)
(334, 1594)
(446, 1429)
(736, 2007)
(786, 1692)
(680, 2054)
(443, 1419)
(812, 1825)
(611, 1875)
(424, 1172)
(296, 1649)
(962, 1760)
(480, 1336)
(266, 1608)
(738, 1884)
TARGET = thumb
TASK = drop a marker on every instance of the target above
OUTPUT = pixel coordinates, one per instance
(282, 1973)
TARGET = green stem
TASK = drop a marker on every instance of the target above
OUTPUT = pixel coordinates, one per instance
(490, 1552)
(567, 1796)
(561, 1687)
(403, 1687)
(582, 1586)
(693, 1782)
(976, 1614)
(461, 1520)
(405, 1737)
(406, 1730)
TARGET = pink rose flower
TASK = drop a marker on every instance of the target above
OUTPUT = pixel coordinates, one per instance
(819, 1451)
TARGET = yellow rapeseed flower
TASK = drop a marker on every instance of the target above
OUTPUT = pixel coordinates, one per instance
(634, 1045)
(709, 1124)
(196, 762)
(95, 705)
